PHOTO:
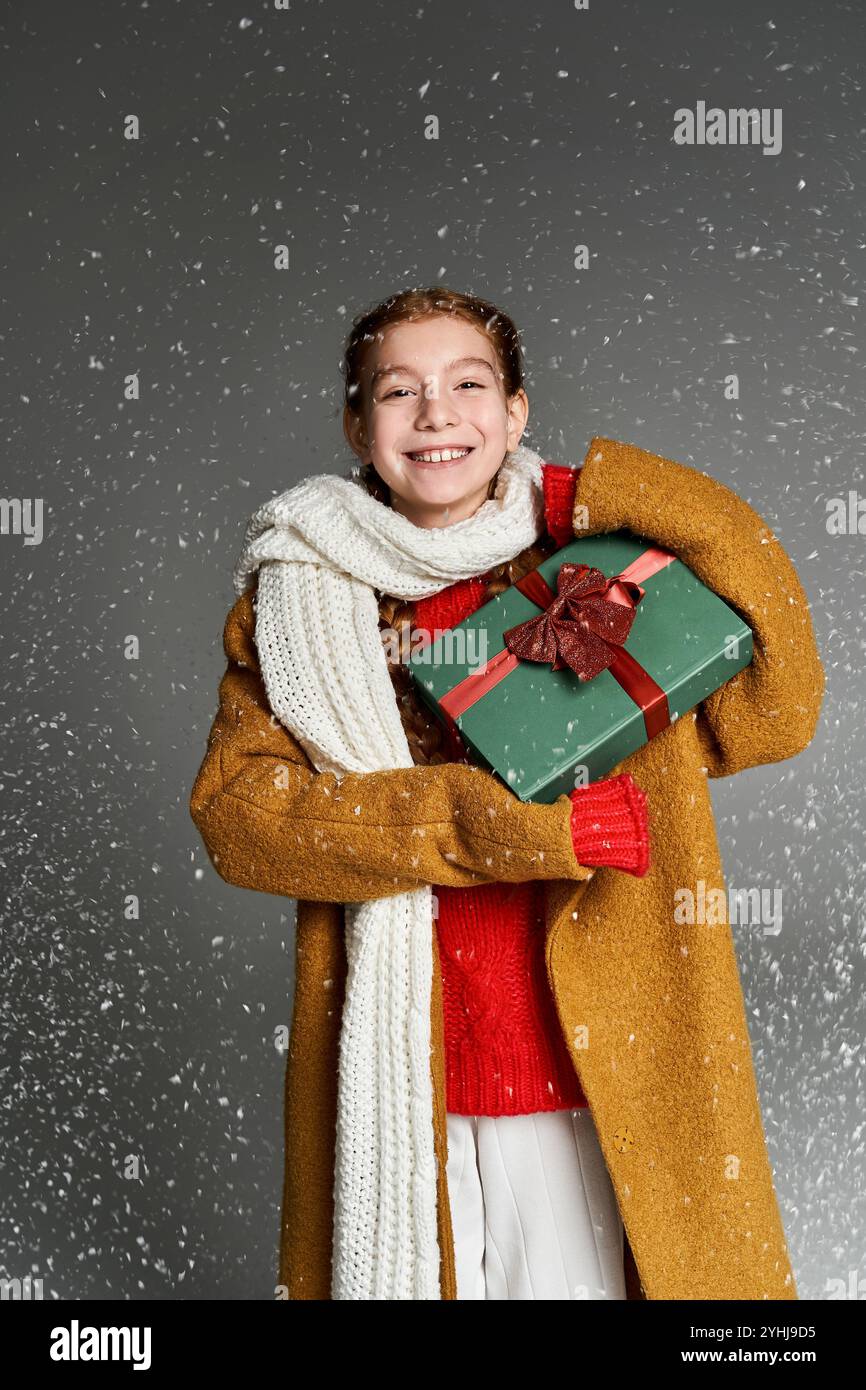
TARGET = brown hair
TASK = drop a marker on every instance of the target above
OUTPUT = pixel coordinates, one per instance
(422, 729)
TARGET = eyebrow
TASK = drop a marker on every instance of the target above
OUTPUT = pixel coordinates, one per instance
(399, 370)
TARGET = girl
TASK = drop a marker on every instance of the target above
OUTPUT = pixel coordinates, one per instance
(441, 1100)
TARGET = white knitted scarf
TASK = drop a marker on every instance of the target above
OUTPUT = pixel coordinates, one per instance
(323, 547)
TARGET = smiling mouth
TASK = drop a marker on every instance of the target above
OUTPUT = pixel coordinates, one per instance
(438, 458)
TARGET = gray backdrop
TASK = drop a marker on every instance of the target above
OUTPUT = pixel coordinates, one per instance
(152, 1038)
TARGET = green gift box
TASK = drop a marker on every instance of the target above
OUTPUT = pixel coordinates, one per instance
(648, 637)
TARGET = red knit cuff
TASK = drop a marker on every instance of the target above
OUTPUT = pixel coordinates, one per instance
(560, 483)
(609, 824)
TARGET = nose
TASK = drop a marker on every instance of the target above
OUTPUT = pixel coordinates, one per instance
(434, 413)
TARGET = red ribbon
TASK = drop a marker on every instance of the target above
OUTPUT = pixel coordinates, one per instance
(580, 626)
(584, 625)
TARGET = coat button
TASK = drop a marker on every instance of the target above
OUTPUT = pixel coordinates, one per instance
(624, 1140)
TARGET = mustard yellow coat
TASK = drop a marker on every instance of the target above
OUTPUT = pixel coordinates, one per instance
(651, 1009)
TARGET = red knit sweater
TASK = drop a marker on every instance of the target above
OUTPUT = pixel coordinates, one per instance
(504, 1049)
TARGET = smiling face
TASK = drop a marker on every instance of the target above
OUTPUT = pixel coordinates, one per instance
(435, 420)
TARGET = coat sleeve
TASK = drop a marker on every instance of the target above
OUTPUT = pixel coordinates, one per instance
(768, 711)
(270, 822)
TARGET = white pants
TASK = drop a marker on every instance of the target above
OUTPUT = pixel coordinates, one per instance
(533, 1209)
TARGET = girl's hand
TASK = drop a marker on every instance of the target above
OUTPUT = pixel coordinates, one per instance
(609, 824)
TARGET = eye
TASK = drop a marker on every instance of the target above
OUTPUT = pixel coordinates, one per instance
(394, 392)
(472, 383)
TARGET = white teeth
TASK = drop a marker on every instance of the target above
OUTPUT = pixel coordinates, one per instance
(439, 455)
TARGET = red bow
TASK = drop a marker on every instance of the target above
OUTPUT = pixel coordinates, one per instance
(580, 627)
